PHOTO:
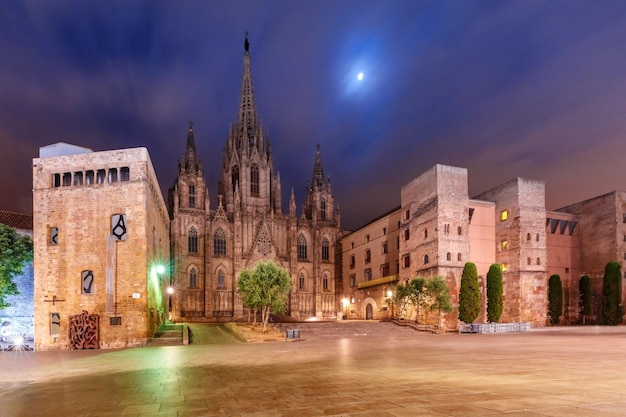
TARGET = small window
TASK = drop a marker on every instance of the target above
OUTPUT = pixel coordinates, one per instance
(528, 261)
(87, 286)
(325, 282)
(504, 215)
(124, 174)
(367, 238)
(504, 267)
(398, 242)
(219, 242)
(528, 236)
(385, 247)
(220, 280)
(67, 179)
(425, 259)
(56, 180)
(504, 245)
(193, 279)
(100, 176)
(325, 249)
(78, 178)
(406, 234)
(192, 240)
(113, 175)
(352, 261)
(407, 261)
(323, 209)
(254, 181)
(302, 247)
(384, 231)
(352, 245)
(192, 195)
(537, 237)
(539, 260)
(624, 219)
(301, 282)
(54, 236)
(368, 275)
(118, 226)
(448, 256)
(446, 228)
(567, 270)
(425, 233)
(459, 231)
(368, 256)
(384, 270)
(352, 280)
(407, 215)
(459, 257)
(55, 324)
(89, 176)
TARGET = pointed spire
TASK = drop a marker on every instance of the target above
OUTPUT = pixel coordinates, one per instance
(190, 162)
(318, 171)
(247, 117)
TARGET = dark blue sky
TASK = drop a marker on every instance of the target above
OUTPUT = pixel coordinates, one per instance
(504, 88)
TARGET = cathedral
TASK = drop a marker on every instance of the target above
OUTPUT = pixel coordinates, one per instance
(211, 245)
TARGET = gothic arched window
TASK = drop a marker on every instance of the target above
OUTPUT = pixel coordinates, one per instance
(193, 280)
(193, 240)
(234, 177)
(325, 282)
(302, 282)
(220, 280)
(192, 195)
(302, 247)
(254, 180)
(325, 249)
(323, 209)
(219, 242)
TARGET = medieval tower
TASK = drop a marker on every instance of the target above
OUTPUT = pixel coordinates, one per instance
(212, 245)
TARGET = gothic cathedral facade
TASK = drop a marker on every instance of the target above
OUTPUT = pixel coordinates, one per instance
(210, 246)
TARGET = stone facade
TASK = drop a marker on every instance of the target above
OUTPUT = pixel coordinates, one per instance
(100, 228)
(211, 245)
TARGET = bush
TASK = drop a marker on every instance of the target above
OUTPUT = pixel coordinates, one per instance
(555, 299)
(494, 293)
(612, 294)
(469, 294)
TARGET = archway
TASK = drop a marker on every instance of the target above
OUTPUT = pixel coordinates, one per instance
(369, 312)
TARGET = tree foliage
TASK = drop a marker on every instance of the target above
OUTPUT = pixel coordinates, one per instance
(612, 294)
(555, 299)
(419, 296)
(15, 251)
(586, 296)
(494, 293)
(265, 288)
(469, 294)
(401, 297)
(438, 293)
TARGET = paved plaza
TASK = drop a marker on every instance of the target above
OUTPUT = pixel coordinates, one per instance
(375, 371)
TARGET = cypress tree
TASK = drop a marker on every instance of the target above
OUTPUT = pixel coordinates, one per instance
(586, 297)
(555, 299)
(612, 294)
(494, 293)
(469, 294)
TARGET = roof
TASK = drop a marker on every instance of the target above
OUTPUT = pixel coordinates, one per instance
(16, 220)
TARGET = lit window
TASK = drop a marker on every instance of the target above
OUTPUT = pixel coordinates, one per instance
(504, 267)
(504, 245)
(504, 215)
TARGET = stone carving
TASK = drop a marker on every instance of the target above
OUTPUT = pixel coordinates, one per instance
(83, 331)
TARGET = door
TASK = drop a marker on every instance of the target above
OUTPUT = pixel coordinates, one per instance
(369, 312)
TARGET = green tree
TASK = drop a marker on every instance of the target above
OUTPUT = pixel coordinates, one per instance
(586, 297)
(418, 295)
(401, 298)
(612, 294)
(265, 288)
(469, 294)
(555, 299)
(439, 294)
(494, 293)
(15, 251)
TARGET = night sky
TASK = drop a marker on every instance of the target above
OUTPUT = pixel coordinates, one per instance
(527, 88)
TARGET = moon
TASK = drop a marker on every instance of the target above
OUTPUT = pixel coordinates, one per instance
(360, 76)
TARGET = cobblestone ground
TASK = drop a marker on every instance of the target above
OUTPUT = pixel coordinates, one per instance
(368, 370)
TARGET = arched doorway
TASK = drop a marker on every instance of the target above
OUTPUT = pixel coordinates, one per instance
(369, 312)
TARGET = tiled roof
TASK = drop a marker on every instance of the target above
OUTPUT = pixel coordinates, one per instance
(16, 220)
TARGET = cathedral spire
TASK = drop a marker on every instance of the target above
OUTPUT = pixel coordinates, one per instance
(190, 162)
(247, 126)
(318, 171)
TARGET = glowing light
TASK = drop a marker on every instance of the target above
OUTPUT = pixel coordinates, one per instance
(389, 293)
(345, 302)
(160, 269)
(18, 340)
(170, 290)
(360, 76)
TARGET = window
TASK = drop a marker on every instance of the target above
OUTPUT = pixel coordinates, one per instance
(352, 245)
(539, 261)
(54, 235)
(302, 282)
(504, 215)
(254, 181)
(384, 270)
(446, 228)
(459, 257)
(407, 215)
(113, 175)
(528, 236)
(367, 238)
(352, 280)
(89, 175)
(448, 256)
(537, 237)
(219, 242)
(406, 234)
(459, 230)
(234, 177)
(220, 280)
(56, 180)
(528, 261)
(192, 195)
(124, 174)
(193, 281)
(398, 242)
(624, 218)
(425, 259)
(118, 226)
(323, 208)
(78, 178)
(504, 267)
(302, 247)
(193, 240)
(384, 231)
(504, 245)
(87, 282)
(407, 261)
(325, 282)
(425, 233)
(352, 261)
(101, 176)
(67, 179)
(385, 247)
(368, 256)
(367, 274)
(325, 249)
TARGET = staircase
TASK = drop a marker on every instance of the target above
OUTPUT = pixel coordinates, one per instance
(170, 334)
(346, 328)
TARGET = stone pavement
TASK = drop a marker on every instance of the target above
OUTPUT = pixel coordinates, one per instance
(374, 372)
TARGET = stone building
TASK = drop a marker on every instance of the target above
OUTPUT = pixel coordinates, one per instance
(211, 245)
(438, 228)
(100, 230)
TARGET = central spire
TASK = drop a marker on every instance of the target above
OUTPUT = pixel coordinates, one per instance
(247, 127)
